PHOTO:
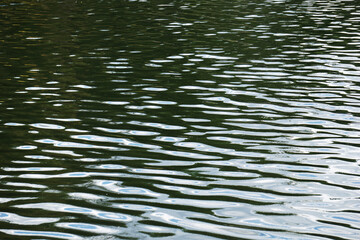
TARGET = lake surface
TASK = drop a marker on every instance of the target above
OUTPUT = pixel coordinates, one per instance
(180, 119)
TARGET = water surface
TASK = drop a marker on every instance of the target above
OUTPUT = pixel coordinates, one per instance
(179, 119)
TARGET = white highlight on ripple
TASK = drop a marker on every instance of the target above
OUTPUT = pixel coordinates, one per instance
(88, 227)
(56, 143)
(47, 126)
(86, 196)
(29, 185)
(113, 186)
(14, 124)
(120, 141)
(65, 119)
(185, 154)
(115, 102)
(210, 204)
(5, 200)
(38, 157)
(26, 147)
(33, 169)
(41, 234)
(20, 220)
(40, 88)
(157, 125)
(155, 89)
(200, 225)
(63, 152)
(209, 56)
(128, 132)
(64, 175)
(83, 86)
(169, 139)
(67, 208)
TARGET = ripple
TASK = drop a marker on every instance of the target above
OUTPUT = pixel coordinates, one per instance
(128, 132)
(34, 169)
(47, 126)
(115, 102)
(88, 228)
(71, 144)
(58, 207)
(14, 124)
(185, 154)
(157, 125)
(180, 120)
(26, 147)
(20, 220)
(120, 141)
(114, 187)
(65, 119)
(57, 235)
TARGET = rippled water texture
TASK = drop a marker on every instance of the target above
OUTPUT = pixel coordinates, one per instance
(179, 119)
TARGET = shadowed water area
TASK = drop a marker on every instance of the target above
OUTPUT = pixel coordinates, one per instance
(206, 119)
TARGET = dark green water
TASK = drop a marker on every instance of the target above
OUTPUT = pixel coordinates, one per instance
(179, 119)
